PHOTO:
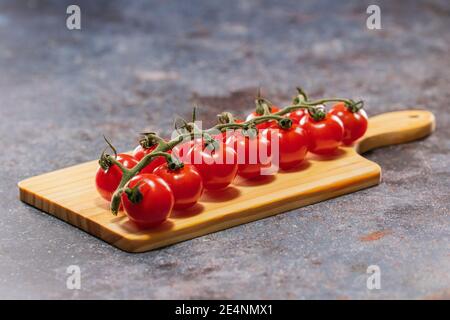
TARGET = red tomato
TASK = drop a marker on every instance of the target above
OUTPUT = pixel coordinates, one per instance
(107, 181)
(185, 183)
(297, 115)
(140, 152)
(253, 154)
(154, 204)
(325, 135)
(292, 145)
(263, 125)
(217, 167)
(355, 123)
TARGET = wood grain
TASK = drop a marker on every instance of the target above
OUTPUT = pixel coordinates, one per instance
(70, 194)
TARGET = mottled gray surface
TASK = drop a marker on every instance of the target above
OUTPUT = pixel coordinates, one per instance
(137, 63)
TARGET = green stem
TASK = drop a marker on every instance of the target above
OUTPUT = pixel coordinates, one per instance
(323, 101)
(114, 161)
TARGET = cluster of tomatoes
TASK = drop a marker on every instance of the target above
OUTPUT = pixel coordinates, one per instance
(163, 185)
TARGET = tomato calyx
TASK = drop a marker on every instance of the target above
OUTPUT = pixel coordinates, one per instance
(300, 97)
(263, 106)
(318, 113)
(182, 126)
(353, 106)
(174, 164)
(133, 194)
(105, 160)
(225, 118)
(285, 123)
(148, 140)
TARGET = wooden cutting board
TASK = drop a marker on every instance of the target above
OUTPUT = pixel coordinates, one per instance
(70, 193)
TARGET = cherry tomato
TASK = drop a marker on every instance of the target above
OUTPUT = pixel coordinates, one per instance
(266, 124)
(107, 181)
(185, 183)
(292, 145)
(355, 123)
(253, 154)
(325, 135)
(297, 115)
(154, 203)
(140, 152)
(217, 167)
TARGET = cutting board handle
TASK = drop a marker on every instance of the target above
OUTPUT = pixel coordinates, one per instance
(396, 127)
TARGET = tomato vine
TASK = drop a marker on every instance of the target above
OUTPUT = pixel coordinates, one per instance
(226, 121)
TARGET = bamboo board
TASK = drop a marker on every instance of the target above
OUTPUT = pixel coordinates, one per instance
(70, 193)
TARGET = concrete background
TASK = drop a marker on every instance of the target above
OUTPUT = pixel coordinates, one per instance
(135, 64)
